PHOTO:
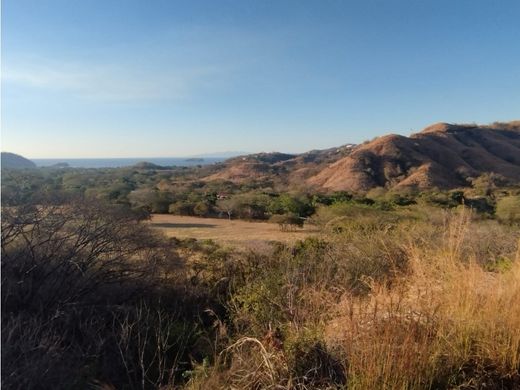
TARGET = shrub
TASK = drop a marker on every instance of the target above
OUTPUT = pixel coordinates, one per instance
(508, 209)
(287, 222)
(201, 209)
(312, 365)
(181, 208)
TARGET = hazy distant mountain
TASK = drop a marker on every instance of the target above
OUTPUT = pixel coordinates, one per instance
(15, 161)
(442, 155)
(229, 154)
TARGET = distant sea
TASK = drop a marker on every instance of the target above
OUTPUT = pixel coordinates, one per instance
(126, 162)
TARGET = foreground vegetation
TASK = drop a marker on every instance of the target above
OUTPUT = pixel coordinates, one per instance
(397, 293)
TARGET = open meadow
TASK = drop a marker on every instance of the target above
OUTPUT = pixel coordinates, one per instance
(234, 232)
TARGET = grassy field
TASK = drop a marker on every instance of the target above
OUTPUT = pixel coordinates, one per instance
(223, 230)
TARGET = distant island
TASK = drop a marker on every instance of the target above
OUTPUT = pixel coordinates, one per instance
(60, 165)
(147, 165)
(194, 159)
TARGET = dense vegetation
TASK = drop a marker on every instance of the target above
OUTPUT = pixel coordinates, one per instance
(401, 290)
(181, 191)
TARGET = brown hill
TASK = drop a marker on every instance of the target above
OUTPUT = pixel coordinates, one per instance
(283, 168)
(442, 155)
(251, 167)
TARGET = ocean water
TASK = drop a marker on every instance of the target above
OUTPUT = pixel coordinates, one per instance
(125, 162)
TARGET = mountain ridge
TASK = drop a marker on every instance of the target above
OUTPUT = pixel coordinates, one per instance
(442, 155)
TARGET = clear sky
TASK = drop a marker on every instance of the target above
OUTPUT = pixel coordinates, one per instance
(150, 78)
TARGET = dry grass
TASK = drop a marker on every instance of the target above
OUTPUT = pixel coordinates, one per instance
(448, 324)
(445, 322)
(235, 232)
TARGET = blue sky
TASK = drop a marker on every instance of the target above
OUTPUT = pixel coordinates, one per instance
(151, 78)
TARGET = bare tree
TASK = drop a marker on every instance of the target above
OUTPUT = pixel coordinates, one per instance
(55, 255)
(75, 278)
(228, 206)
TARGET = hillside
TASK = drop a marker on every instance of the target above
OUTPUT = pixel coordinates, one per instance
(285, 168)
(442, 155)
(251, 167)
(15, 161)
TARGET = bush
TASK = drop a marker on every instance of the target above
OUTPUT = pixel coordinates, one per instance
(508, 209)
(201, 209)
(181, 208)
(288, 204)
(311, 363)
(287, 222)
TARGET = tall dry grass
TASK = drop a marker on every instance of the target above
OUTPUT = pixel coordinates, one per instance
(440, 310)
(449, 323)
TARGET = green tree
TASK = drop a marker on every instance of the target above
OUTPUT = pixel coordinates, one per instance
(201, 209)
(181, 208)
(290, 204)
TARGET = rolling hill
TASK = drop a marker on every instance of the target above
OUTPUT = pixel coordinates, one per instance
(288, 169)
(442, 155)
(251, 167)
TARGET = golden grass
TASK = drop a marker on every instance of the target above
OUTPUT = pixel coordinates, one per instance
(448, 323)
(235, 232)
(445, 323)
